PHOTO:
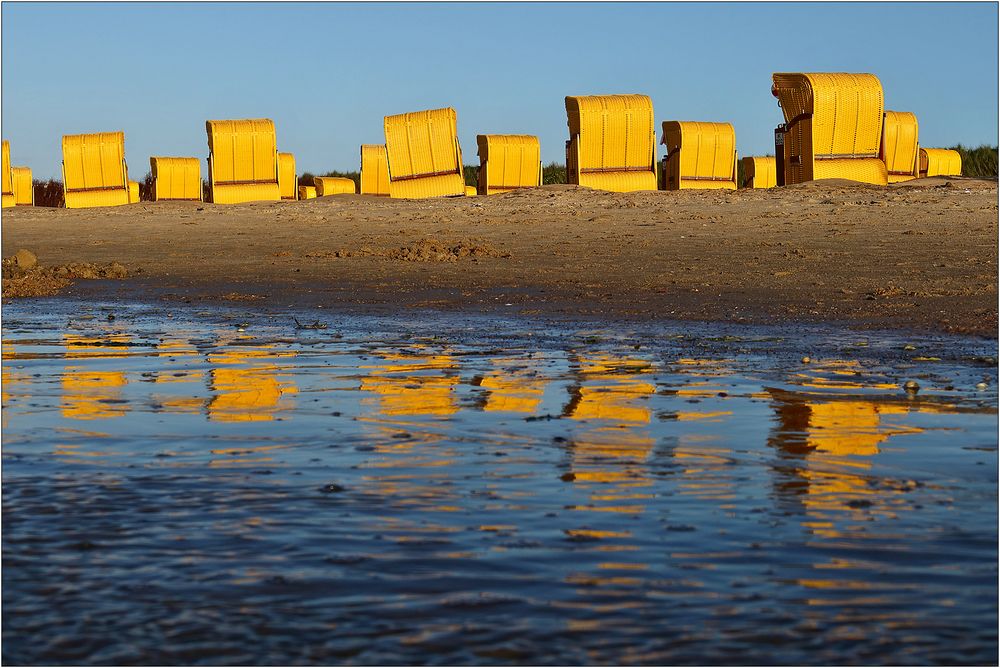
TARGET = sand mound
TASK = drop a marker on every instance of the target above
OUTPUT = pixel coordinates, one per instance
(24, 277)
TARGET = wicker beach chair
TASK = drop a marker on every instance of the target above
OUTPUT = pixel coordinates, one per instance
(374, 170)
(333, 185)
(508, 162)
(700, 156)
(242, 161)
(176, 178)
(8, 177)
(940, 162)
(423, 154)
(24, 189)
(833, 126)
(759, 172)
(287, 179)
(612, 142)
(899, 146)
(94, 171)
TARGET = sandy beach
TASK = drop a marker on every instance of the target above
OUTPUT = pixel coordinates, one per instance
(920, 255)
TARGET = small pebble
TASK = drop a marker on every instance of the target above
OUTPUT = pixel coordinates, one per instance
(806, 359)
(911, 386)
(909, 347)
(981, 386)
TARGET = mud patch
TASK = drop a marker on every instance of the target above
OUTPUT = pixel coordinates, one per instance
(24, 277)
(425, 250)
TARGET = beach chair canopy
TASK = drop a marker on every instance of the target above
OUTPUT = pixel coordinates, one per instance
(242, 161)
(833, 126)
(374, 170)
(508, 162)
(899, 149)
(759, 172)
(8, 177)
(287, 179)
(94, 171)
(612, 142)
(423, 154)
(700, 155)
(175, 178)
(940, 162)
(333, 185)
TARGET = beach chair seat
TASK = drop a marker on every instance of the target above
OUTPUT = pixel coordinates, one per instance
(940, 162)
(8, 177)
(374, 170)
(833, 126)
(333, 185)
(242, 161)
(176, 179)
(424, 157)
(471, 191)
(24, 189)
(94, 171)
(899, 150)
(759, 172)
(307, 192)
(508, 162)
(700, 156)
(612, 142)
(287, 178)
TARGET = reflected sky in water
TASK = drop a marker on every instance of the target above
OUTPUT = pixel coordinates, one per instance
(491, 491)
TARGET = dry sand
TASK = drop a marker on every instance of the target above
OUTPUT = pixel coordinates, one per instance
(920, 255)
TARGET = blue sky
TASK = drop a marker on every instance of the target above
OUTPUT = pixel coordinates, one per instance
(328, 73)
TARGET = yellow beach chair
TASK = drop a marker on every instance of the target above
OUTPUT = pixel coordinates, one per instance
(374, 170)
(287, 179)
(424, 157)
(700, 156)
(94, 171)
(333, 185)
(176, 178)
(471, 191)
(940, 162)
(508, 162)
(833, 126)
(899, 146)
(759, 172)
(307, 192)
(8, 177)
(24, 189)
(242, 161)
(612, 142)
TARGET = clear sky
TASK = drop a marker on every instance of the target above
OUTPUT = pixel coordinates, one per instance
(328, 73)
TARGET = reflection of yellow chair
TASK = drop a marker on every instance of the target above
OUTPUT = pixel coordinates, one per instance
(242, 161)
(287, 180)
(8, 177)
(899, 145)
(833, 126)
(333, 185)
(374, 170)
(508, 162)
(248, 386)
(424, 157)
(700, 156)
(94, 171)
(405, 387)
(612, 142)
(940, 162)
(307, 192)
(24, 189)
(759, 172)
(176, 178)
(514, 391)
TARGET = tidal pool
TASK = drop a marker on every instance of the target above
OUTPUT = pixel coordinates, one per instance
(229, 486)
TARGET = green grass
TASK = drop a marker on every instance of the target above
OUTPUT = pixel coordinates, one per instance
(978, 162)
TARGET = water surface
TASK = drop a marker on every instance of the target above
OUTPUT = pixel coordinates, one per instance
(226, 486)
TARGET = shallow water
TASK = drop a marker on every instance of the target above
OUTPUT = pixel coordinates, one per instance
(227, 486)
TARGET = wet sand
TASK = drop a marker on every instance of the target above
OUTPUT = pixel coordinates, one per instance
(920, 255)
